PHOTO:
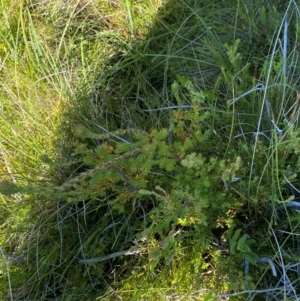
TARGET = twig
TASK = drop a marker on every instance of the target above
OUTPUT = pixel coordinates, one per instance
(110, 256)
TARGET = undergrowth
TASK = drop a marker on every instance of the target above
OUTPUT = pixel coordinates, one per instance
(177, 170)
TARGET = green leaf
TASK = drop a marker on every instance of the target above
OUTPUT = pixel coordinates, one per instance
(250, 242)
(193, 160)
(184, 81)
(243, 248)
(198, 97)
(175, 91)
(232, 245)
(230, 231)
(160, 135)
(252, 257)
(236, 234)
(243, 239)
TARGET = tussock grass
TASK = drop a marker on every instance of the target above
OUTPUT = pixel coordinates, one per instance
(52, 51)
(112, 65)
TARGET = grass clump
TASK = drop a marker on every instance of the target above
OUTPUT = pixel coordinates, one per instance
(178, 165)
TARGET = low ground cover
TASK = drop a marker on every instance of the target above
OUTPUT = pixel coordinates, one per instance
(149, 150)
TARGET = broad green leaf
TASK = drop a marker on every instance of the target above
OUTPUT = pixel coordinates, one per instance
(243, 239)
(236, 234)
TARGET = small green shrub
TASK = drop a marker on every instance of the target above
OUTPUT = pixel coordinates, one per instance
(218, 153)
(175, 183)
(178, 183)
